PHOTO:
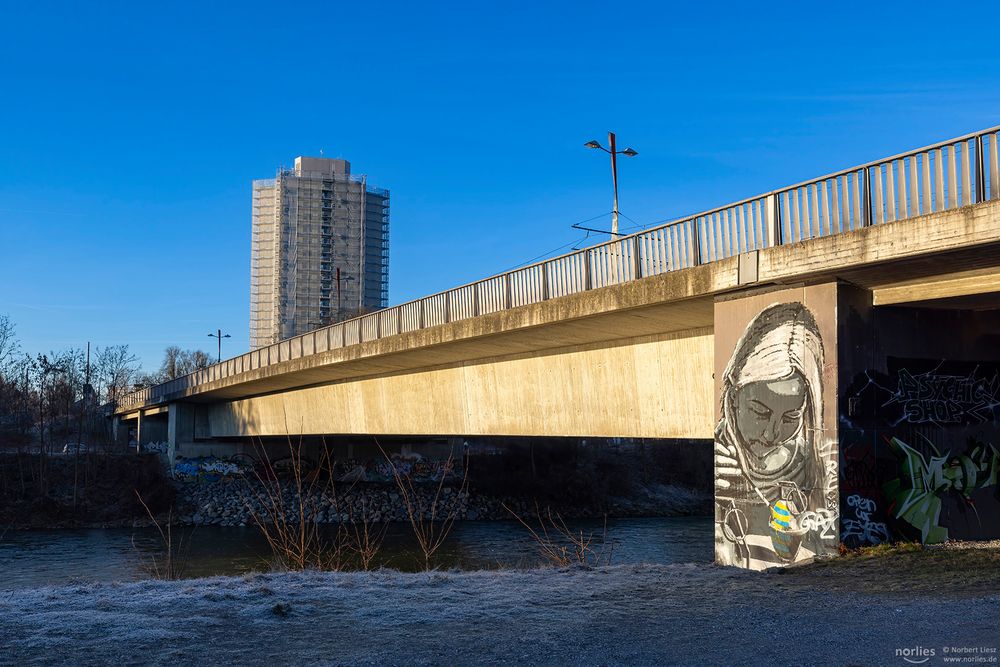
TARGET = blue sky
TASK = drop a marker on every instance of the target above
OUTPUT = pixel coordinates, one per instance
(131, 132)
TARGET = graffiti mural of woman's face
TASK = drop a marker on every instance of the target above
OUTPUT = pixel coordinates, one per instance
(769, 419)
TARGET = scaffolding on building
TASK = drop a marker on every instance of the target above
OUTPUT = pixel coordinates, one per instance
(320, 250)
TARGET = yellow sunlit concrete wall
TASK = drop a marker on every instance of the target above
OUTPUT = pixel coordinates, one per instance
(653, 386)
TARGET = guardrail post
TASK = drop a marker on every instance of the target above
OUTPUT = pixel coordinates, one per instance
(636, 263)
(421, 313)
(695, 243)
(980, 172)
(587, 280)
(545, 281)
(475, 299)
(773, 214)
(866, 206)
(506, 291)
(399, 319)
(447, 306)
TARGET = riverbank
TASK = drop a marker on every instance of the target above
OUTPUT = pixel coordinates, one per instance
(92, 489)
(856, 610)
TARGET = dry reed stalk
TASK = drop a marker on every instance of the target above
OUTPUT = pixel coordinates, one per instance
(565, 546)
(172, 567)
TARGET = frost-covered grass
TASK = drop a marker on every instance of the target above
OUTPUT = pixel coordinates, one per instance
(630, 614)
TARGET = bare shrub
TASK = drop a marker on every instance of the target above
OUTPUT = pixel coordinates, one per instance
(292, 529)
(562, 546)
(365, 537)
(430, 521)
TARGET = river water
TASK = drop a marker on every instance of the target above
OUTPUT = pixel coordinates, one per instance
(39, 558)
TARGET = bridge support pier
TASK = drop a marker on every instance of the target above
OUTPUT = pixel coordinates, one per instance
(842, 422)
(189, 434)
(777, 372)
(119, 431)
(150, 429)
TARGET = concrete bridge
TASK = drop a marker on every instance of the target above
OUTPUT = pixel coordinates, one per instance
(836, 338)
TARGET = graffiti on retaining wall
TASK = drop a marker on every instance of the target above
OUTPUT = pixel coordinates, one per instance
(858, 469)
(776, 485)
(938, 398)
(210, 468)
(862, 505)
(935, 491)
(414, 467)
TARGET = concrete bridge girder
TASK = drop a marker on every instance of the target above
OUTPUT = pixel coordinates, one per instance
(652, 386)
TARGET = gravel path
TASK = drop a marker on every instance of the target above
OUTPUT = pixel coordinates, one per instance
(657, 615)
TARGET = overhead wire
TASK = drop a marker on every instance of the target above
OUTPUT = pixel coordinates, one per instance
(565, 245)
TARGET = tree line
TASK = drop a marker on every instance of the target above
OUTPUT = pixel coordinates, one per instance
(61, 397)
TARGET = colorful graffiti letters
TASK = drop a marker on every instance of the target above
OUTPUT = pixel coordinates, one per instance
(928, 477)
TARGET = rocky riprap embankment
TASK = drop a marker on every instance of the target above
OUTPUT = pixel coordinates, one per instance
(229, 503)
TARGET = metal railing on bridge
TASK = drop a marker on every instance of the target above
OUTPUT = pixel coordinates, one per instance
(943, 176)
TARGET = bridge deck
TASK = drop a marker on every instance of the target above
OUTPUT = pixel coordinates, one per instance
(894, 225)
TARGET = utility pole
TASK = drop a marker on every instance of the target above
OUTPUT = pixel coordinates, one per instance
(79, 424)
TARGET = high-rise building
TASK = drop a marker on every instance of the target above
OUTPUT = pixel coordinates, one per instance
(320, 249)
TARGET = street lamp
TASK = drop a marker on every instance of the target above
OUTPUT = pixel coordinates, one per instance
(628, 152)
(219, 335)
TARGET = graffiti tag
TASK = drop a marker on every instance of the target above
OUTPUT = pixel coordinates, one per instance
(823, 520)
(945, 399)
(861, 527)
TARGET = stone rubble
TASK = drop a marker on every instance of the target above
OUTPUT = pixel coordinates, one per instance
(228, 502)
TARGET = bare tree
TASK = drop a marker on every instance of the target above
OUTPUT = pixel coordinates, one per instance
(9, 345)
(172, 365)
(10, 373)
(178, 363)
(198, 360)
(562, 546)
(115, 369)
(288, 516)
(174, 561)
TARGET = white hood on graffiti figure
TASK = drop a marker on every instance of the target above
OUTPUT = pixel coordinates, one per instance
(781, 344)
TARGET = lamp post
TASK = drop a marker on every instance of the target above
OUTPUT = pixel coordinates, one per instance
(219, 336)
(614, 153)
